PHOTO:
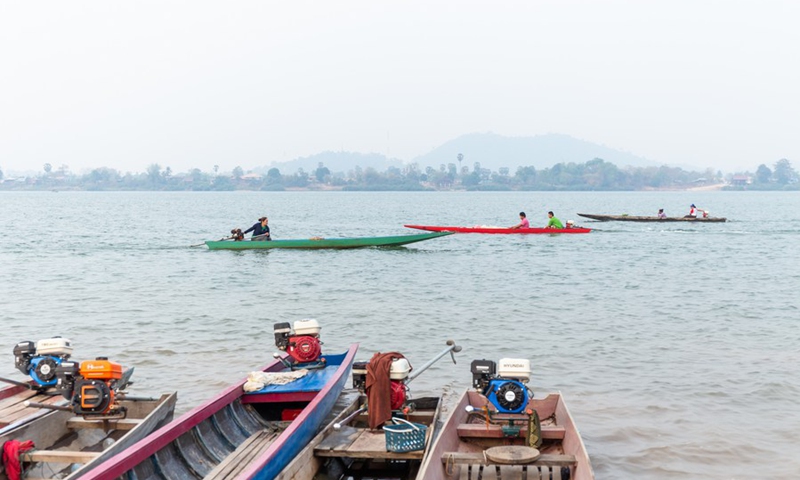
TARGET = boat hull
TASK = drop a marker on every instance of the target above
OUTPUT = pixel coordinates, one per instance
(500, 231)
(62, 439)
(642, 218)
(462, 442)
(340, 243)
(237, 435)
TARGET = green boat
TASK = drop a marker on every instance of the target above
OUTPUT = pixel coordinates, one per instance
(319, 242)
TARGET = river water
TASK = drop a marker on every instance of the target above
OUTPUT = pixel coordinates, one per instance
(676, 346)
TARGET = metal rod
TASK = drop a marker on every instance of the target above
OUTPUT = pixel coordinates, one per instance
(452, 347)
(21, 384)
(283, 360)
(47, 406)
(338, 425)
(134, 398)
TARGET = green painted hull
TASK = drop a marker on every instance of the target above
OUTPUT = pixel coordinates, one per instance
(356, 242)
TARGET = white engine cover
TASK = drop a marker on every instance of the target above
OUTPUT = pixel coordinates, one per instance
(516, 368)
(399, 369)
(308, 326)
(54, 346)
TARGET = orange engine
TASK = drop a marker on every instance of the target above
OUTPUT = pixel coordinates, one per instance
(101, 369)
(92, 387)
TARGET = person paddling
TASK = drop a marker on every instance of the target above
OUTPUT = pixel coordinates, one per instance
(260, 230)
(661, 214)
(692, 212)
(553, 222)
(523, 221)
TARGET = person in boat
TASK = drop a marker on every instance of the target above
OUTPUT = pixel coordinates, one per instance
(661, 213)
(237, 235)
(692, 212)
(553, 222)
(523, 221)
(570, 224)
(260, 230)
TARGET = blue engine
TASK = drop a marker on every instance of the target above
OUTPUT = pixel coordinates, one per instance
(509, 396)
(43, 370)
(40, 367)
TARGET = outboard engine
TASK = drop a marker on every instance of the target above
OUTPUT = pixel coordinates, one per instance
(40, 360)
(504, 386)
(398, 373)
(91, 387)
(302, 343)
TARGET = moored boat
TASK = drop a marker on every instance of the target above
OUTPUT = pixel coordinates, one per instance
(644, 218)
(319, 242)
(501, 426)
(359, 443)
(240, 434)
(501, 230)
(68, 446)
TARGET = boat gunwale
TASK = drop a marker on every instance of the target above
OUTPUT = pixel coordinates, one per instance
(501, 230)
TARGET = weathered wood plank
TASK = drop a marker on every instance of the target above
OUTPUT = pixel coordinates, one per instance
(238, 460)
(463, 458)
(480, 430)
(339, 440)
(372, 444)
(59, 456)
(119, 424)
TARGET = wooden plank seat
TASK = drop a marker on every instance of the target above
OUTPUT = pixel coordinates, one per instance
(113, 424)
(545, 467)
(240, 458)
(59, 456)
(480, 430)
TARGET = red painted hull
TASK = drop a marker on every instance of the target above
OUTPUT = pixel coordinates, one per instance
(547, 231)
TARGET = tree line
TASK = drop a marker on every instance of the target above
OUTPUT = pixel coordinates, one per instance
(596, 175)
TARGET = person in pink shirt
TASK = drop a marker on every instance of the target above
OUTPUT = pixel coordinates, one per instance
(523, 222)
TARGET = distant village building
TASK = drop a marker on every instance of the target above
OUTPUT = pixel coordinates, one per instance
(741, 180)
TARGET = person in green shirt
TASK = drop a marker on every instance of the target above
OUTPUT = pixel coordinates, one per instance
(554, 222)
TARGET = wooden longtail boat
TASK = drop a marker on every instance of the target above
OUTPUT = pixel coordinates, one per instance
(348, 448)
(68, 446)
(237, 434)
(355, 451)
(313, 243)
(642, 218)
(500, 230)
(14, 413)
(465, 437)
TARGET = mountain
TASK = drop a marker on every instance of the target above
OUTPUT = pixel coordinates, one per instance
(495, 151)
(335, 162)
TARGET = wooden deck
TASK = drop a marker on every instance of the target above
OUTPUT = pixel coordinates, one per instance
(360, 443)
(13, 410)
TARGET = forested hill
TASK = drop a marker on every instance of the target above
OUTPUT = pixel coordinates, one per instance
(494, 151)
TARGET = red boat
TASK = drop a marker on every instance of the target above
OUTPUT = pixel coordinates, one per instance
(496, 230)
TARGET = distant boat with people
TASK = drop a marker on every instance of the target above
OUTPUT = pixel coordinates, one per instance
(650, 218)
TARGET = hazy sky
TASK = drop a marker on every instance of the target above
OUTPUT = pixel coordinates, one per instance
(194, 84)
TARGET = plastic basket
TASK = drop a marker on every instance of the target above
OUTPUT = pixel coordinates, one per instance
(405, 436)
